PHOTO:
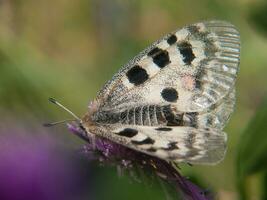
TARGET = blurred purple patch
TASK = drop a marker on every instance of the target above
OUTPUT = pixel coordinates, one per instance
(32, 167)
(112, 153)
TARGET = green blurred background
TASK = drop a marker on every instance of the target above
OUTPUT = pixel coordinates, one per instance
(69, 49)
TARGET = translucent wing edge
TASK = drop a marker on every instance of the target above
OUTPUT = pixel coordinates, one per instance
(218, 73)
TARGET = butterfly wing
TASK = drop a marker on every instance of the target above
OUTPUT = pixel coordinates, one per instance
(178, 144)
(192, 68)
(174, 98)
(218, 115)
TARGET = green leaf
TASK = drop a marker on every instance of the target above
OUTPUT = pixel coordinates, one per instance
(252, 148)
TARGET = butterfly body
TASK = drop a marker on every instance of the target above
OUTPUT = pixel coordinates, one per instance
(174, 98)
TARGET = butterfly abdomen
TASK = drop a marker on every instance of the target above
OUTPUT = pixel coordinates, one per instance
(148, 115)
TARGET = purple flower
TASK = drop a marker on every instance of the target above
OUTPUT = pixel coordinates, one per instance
(33, 166)
(108, 152)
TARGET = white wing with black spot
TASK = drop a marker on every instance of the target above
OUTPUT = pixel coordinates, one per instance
(174, 98)
(192, 68)
(178, 144)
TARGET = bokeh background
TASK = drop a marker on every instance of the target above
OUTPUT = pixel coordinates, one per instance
(69, 49)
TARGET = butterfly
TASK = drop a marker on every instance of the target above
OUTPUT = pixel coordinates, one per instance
(174, 98)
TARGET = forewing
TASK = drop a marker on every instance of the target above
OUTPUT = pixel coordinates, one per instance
(192, 68)
(178, 144)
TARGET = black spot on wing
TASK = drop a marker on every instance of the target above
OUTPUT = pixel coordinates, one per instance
(185, 49)
(160, 57)
(128, 132)
(148, 140)
(169, 94)
(152, 149)
(171, 146)
(163, 129)
(172, 39)
(137, 75)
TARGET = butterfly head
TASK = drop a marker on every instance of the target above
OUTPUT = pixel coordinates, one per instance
(86, 120)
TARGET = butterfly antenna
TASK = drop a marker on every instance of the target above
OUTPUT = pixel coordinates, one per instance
(58, 122)
(52, 100)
